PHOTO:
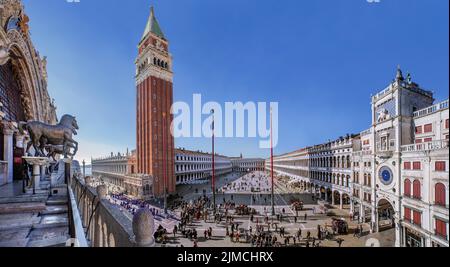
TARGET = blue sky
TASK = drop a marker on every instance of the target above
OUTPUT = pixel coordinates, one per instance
(321, 60)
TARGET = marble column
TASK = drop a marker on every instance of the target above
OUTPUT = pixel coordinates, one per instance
(332, 198)
(37, 163)
(8, 153)
(36, 177)
(375, 220)
(42, 172)
(341, 205)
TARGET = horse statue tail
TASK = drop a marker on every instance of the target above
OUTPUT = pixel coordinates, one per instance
(23, 126)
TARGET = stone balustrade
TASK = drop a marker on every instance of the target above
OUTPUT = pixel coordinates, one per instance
(105, 225)
(432, 109)
(434, 145)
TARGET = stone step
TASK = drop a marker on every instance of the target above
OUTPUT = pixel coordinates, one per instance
(24, 207)
(14, 237)
(53, 242)
(38, 191)
(24, 198)
(14, 243)
(52, 221)
(48, 237)
(18, 221)
(57, 201)
(54, 209)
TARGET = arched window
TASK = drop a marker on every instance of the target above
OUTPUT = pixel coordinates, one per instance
(154, 61)
(416, 189)
(439, 194)
(407, 187)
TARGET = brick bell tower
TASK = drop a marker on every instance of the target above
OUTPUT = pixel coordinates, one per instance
(154, 79)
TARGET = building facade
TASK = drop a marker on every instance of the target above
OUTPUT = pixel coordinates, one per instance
(195, 165)
(23, 87)
(118, 171)
(154, 80)
(247, 164)
(394, 175)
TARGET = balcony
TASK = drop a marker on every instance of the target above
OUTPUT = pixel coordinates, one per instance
(430, 110)
(434, 145)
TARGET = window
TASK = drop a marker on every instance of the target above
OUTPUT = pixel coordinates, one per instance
(441, 228)
(416, 189)
(446, 124)
(418, 141)
(426, 140)
(440, 166)
(417, 218)
(418, 129)
(416, 165)
(407, 186)
(439, 194)
(428, 128)
(407, 212)
(407, 165)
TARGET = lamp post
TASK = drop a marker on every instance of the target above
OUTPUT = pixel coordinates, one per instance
(213, 165)
(84, 168)
(164, 162)
(271, 164)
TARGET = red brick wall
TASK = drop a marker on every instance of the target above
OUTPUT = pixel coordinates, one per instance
(150, 132)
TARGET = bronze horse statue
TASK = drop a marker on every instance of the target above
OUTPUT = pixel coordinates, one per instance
(44, 136)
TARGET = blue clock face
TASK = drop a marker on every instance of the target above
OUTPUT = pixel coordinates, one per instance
(386, 176)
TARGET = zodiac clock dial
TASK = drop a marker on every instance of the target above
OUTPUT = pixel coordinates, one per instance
(386, 176)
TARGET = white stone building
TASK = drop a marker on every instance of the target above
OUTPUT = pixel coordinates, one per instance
(241, 164)
(195, 165)
(394, 175)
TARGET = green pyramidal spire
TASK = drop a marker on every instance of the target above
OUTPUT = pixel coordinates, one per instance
(152, 26)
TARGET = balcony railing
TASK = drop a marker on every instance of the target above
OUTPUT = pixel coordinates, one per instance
(433, 145)
(432, 109)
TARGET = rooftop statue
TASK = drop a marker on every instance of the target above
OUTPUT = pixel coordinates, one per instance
(53, 139)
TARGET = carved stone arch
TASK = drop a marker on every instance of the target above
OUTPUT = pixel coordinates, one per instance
(25, 80)
(34, 75)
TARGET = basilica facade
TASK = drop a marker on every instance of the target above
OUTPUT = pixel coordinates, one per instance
(23, 87)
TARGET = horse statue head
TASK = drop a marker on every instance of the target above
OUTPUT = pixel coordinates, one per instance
(70, 122)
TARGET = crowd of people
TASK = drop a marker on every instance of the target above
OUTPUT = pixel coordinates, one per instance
(197, 219)
(249, 183)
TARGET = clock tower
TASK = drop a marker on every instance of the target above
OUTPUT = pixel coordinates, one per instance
(154, 79)
(392, 128)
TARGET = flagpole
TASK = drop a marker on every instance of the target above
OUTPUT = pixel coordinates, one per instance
(213, 165)
(164, 163)
(271, 163)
